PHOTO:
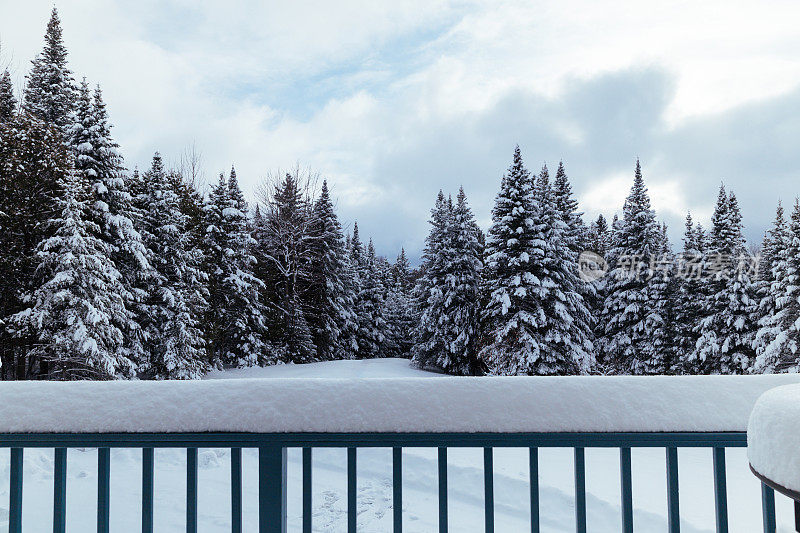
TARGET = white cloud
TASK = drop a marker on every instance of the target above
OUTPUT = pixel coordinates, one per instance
(378, 81)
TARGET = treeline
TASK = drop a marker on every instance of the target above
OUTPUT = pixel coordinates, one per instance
(109, 274)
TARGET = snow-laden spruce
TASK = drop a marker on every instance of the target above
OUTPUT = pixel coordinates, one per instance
(234, 324)
(331, 308)
(631, 310)
(75, 309)
(371, 333)
(8, 102)
(111, 210)
(727, 328)
(535, 320)
(176, 291)
(778, 338)
(449, 328)
(687, 306)
(400, 313)
(50, 89)
(34, 165)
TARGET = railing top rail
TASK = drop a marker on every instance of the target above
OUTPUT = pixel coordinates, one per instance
(387, 405)
(255, 440)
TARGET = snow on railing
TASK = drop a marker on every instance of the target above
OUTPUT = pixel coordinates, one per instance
(388, 405)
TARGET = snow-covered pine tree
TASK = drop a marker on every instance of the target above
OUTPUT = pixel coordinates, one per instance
(8, 103)
(50, 90)
(660, 322)
(462, 291)
(567, 335)
(776, 242)
(687, 309)
(777, 289)
(73, 311)
(625, 338)
(513, 317)
(449, 328)
(599, 236)
(371, 331)
(110, 208)
(234, 324)
(576, 237)
(33, 163)
(176, 291)
(532, 299)
(430, 337)
(727, 328)
(400, 315)
(576, 233)
(330, 307)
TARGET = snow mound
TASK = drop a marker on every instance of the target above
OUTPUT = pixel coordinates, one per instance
(363, 368)
(773, 436)
(446, 404)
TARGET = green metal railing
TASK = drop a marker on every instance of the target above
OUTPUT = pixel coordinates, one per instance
(272, 471)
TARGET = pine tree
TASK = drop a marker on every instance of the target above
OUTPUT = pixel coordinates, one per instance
(33, 163)
(627, 314)
(727, 329)
(687, 300)
(400, 315)
(371, 331)
(73, 311)
(576, 233)
(8, 103)
(430, 338)
(50, 90)
(777, 286)
(533, 304)
(599, 236)
(449, 326)
(330, 309)
(776, 241)
(176, 291)
(234, 324)
(110, 207)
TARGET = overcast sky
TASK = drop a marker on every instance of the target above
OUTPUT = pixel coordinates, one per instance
(393, 100)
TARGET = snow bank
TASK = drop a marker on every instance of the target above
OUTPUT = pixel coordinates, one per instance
(773, 436)
(448, 404)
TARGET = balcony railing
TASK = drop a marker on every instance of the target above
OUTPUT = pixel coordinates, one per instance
(30, 418)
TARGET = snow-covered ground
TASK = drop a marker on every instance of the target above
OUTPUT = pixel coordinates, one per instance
(374, 483)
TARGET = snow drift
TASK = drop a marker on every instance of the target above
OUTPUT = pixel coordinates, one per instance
(773, 436)
(447, 404)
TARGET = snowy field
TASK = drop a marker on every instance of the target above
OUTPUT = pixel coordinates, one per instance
(374, 483)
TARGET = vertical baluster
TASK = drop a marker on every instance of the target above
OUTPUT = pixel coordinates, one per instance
(397, 489)
(442, 461)
(626, 489)
(673, 508)
(720, 491)
(272, 489)
(60, 490)
(307, 502)
(191, 490)
(148, 460)
(768, 508)
(351, 490)
(533, 476)
(488, 489)
(103, 489)
(236, 490)
(15, 492)
(580, 491)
